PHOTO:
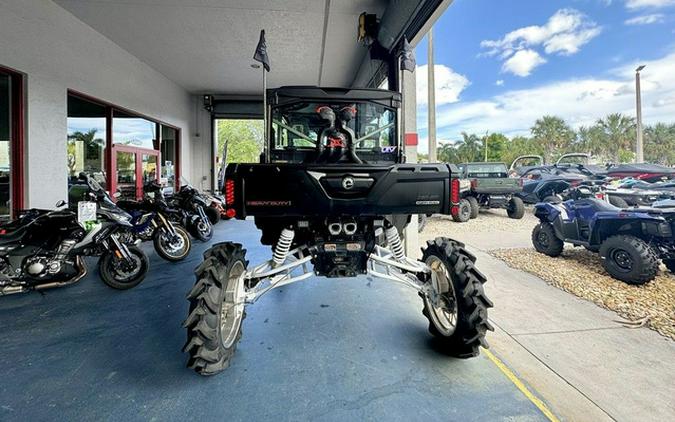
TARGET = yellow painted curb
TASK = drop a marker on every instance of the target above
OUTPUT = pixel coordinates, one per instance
(521, 386)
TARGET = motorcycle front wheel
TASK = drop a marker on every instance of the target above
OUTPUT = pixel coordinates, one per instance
(172, 247)
(121, 274)
(202, 230)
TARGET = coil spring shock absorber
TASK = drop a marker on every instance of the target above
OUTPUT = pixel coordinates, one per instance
(394, 242)
(283, 246)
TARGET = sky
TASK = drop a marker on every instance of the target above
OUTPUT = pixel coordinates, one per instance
(500, 65)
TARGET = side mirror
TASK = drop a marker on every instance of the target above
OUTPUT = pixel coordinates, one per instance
(117, 194)
(60, 203)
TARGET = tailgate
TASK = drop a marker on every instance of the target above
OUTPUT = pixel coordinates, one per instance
(496, 186)
(335, 190)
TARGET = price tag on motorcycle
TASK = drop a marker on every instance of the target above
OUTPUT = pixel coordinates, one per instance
(86, 211)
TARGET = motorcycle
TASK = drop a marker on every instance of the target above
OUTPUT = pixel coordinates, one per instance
(189, 210)
(44, 248)
(149, 219)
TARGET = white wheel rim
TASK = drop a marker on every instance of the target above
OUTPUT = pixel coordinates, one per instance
(443, 314)
(232, 310)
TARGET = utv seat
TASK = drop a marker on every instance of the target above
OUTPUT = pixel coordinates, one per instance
(597, 205)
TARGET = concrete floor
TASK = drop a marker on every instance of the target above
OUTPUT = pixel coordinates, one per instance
(318, 350)
(577, 356)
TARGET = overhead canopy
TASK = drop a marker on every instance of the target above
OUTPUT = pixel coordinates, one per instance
(206, 46)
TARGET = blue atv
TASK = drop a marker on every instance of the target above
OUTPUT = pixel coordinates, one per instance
(630, 240)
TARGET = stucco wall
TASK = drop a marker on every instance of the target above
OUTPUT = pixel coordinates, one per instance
(58, 52)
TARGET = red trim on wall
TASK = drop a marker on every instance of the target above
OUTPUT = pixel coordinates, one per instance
(411, 139)
(18, 153)
(178, 162)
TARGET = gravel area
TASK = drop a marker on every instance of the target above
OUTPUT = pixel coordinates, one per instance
(487, 221)
(580, 272)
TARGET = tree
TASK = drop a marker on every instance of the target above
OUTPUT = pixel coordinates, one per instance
(659, 142)
(619, 132)
(244, 139)
(90, 157)
(447, 153)
(468, 149)
(553, 134)
(497, 144)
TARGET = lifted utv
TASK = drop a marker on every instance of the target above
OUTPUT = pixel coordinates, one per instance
(332, 192)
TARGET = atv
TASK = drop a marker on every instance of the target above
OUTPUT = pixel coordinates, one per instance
(630, 241)
(331, 196)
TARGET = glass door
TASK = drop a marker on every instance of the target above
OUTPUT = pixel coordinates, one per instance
(133, 168)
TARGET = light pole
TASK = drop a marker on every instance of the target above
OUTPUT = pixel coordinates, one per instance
(486, 145)
(639, 156)
(431, 106)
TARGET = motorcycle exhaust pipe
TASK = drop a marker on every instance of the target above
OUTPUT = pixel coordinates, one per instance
(350, 228)
(335, 228)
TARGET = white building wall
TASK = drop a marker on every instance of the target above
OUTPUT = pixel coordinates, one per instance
(58, 52)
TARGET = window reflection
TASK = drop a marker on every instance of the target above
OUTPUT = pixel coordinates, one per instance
(5, 132)
(133, 131)
(168, 153)
(85, 145)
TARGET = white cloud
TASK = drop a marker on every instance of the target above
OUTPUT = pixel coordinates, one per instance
(449, 84)
(499, 82)
(640, 4)
(564, 33)
(579, 101)
(523, 62)
(645, 19)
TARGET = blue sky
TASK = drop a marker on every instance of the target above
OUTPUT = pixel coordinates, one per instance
(502, 64)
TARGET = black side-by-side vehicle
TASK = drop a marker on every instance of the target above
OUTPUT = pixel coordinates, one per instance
(332, 195)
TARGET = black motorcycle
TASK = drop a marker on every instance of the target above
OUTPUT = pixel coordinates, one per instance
(44, 248)
(190, 211)
(150, 221)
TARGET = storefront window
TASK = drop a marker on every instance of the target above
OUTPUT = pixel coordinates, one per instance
(168, 154)
(5, 132)
(134, 131)
(86, 141)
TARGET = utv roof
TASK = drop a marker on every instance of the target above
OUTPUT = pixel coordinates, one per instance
(483, 162)
(292, 94)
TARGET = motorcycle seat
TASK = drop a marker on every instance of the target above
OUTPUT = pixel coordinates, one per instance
(13, 236)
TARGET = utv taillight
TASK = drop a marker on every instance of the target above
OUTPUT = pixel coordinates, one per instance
(454, 191)
(229, 192)
(600, 195)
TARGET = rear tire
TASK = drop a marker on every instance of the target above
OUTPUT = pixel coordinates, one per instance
(212, 214)
(459, 318)
(515, 208)
(201, 231)
(475, 208)
(216, 309)
(115, 274)
(464, 212)
(629, 259)
(545, 240)
(618, 202)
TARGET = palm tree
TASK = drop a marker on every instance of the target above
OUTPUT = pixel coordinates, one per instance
(554, 134)
(468, 149)
(447, 153)
(619, 132)
(660, 144)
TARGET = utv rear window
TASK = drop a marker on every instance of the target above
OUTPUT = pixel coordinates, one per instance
(297, 126)
(486, 170)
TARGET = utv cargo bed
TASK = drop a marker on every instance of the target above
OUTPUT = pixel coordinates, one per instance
(316, 190)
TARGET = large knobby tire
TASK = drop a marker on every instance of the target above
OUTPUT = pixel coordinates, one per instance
(212, 214)
(670, 264)
(617, 201)
(545, 240)
(121, 275)
(629, 259)
(475, 208)
(217, 309)
(515, 209)
(463, 213)
(171, 248)
(457, 307)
